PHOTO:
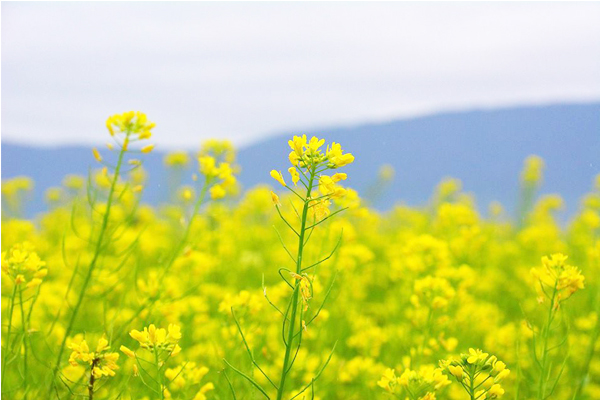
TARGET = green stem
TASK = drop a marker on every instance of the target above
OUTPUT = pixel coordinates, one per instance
(6, 351)
(92, 379)
(158, 374)
(88, 276)
(546, 334)
(472, 383)
(24, 329)
(288, 349)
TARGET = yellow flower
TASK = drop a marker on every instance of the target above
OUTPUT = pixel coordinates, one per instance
(326, 185)
(97, 155)
(297, 145)
(320, 208)
(174, 334)
(457, 371)
(388, 380)
(275, 199)
(130, 123)
(19, 279)
(23, 264)
(294, 158)
(147, 149)
(532, 171)
(201, 395)
(295, 175)
(499, 366)
(102, 345)
(557, 275)
(128, 352)
(336, 156)
(278, 177)
(476, 355)
(102, 362)
(157, 338)
(207, 166)
(177, 159)
(217, 192)
(495, 391)
(340, 176)
(314, 144)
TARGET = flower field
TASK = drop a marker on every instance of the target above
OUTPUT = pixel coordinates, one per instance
(295, 291)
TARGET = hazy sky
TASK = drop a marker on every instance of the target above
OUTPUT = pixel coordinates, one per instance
(245, 70)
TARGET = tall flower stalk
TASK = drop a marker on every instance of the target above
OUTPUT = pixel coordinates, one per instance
(557, 282)
(309, 163)
(26, 272)
(125, 128)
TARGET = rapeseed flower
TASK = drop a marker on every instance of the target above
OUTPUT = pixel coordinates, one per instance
(102, 362)
(479, 373)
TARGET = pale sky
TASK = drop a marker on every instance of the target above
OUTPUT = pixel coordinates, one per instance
(246, 70)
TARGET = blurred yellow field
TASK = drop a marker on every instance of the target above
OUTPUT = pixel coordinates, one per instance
(297, 290)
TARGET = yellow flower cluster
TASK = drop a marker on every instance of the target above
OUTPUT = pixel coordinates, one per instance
(101, 361)
(22, 264)
(479, 373)
(130, 123)
(557, 280)
(532, 172)
(127, 128)
(216, 162)
(156, 339)
(432, 292)
(177, 159)
(186, 375)
(14, 193)
(13, 186)
(414, 385)
(308, 158)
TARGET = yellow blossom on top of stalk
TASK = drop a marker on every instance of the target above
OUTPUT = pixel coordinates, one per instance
(414, 384)
(215, 162)
(478, 373)
(220, 149)
(176, 159)
(556, 276)
(130, 122)
(532, 170)
(22, 264)
(101, 361)
(17, 184)
(153, 338)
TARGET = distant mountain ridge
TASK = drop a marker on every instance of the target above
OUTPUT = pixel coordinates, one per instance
(485, 149)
